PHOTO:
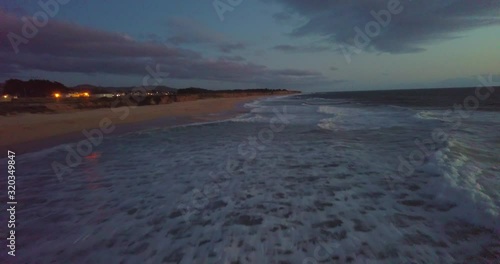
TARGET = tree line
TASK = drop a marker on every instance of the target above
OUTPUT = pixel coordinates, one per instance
(33, 88)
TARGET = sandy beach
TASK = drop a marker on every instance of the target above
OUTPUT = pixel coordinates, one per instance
(30, 132)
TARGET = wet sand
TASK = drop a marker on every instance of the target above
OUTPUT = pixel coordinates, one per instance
(24, 133)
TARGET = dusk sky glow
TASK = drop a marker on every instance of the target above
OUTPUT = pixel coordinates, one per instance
(308, 45)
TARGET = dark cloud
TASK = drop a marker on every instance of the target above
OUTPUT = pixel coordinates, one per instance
(70, 48)
(13, 8)
(420, 23)
(66, 39)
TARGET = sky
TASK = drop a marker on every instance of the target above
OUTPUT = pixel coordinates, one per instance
(313, 45)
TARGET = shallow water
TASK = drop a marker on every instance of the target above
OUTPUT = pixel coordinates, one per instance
(299, 179)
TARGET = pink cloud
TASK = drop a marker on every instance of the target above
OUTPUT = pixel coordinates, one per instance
(67, 47)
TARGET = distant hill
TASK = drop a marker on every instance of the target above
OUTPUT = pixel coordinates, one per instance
(165, 89)
(193, 90)
(45, 88)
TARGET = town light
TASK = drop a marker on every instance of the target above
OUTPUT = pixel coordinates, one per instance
(57, 95)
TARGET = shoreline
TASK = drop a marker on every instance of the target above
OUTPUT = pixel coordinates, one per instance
(26, 133)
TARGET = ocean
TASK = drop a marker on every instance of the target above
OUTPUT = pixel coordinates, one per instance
(367, 177)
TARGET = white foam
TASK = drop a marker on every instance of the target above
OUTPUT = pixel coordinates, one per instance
(250, 118)
(325, 109)
(462, 174)
(253, 104)
(353, 118)
(328, 124)
(430, 115)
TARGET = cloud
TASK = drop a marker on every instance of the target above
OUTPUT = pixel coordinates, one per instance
(232, 58)
(301, 49)
(295, 73)
(419, 24)
(229, 47)
(189, 31)
(283, 17)
(66, 39)
(71, 48)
